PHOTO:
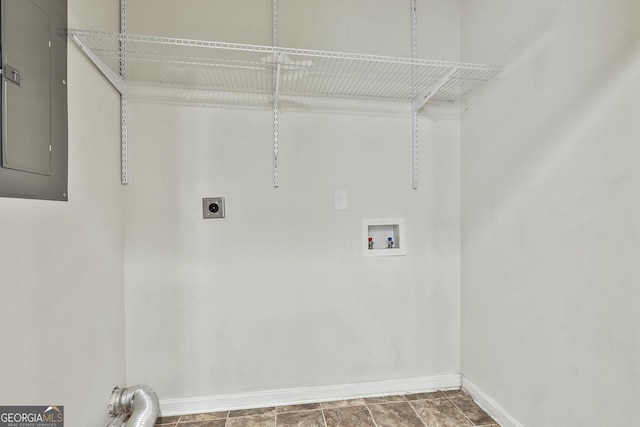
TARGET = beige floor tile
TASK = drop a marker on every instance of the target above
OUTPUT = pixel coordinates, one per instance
(296, 408)
(399, 414)
(440, 413)
(453, 408)
(300, 419)
(343, 403)
(252, 421)
(207, 423)
(204, 417)
(385, 399)
(425, 396)
(254, 411)
(472, 411)
(455, 393)
(168, 420)
(354, 416)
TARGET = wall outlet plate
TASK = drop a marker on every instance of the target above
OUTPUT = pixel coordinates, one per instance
(213, 207)
(340, 200)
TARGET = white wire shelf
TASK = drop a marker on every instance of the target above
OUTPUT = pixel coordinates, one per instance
(232, 74)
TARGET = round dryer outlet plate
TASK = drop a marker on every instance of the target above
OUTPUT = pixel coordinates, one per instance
(213, 207)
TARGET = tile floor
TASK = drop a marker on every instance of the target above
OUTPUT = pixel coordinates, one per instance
(437, 409)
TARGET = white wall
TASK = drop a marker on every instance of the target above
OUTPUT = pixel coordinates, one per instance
(61, 284)
(278, 294)
(550, 224)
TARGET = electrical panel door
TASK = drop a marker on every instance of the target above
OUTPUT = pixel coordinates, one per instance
(34, 102)
(27, 88)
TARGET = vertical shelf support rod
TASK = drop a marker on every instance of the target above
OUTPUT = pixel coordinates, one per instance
(414, 90)
(124, 166)
(276, 82)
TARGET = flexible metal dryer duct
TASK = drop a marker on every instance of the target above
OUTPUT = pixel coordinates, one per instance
(139, 403)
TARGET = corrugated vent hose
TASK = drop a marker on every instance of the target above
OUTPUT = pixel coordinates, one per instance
(139, 403)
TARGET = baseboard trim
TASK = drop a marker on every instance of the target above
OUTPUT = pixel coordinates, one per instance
(292, 396)
(489, 405)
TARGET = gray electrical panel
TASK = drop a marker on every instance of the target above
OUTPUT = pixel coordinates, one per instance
(33, 45)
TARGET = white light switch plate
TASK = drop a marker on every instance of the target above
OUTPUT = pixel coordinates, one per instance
(340, 200)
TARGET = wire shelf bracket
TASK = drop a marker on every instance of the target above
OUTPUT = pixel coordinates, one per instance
(425, 96)
(114, 78)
